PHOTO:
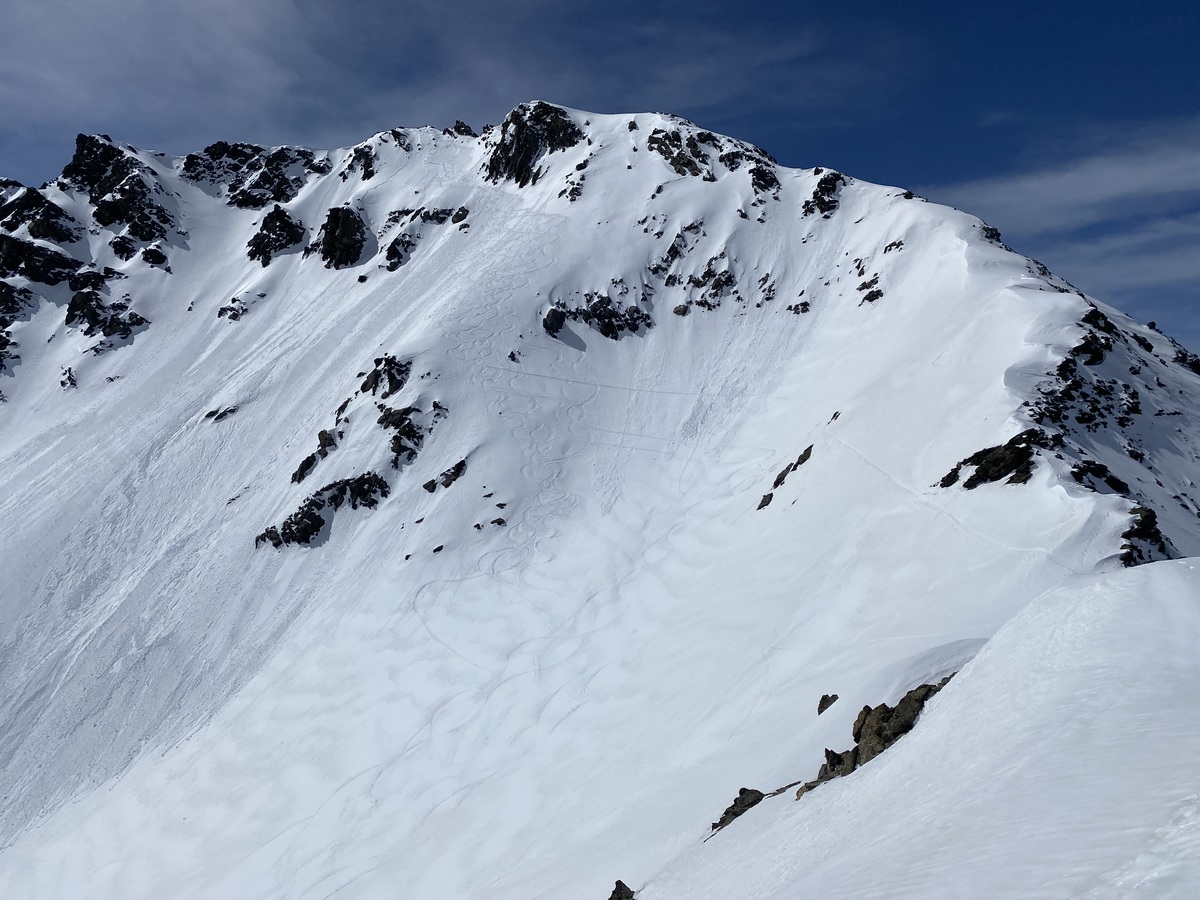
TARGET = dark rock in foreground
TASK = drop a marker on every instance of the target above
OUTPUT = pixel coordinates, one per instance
(1012, 460)
(747, 798)
(875, 729)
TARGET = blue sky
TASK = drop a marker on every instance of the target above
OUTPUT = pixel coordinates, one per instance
(1074, 128)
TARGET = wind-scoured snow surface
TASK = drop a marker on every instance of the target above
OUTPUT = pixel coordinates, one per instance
(583, 456)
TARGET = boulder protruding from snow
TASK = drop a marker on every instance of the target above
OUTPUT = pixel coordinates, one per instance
(277, 232)
(342, 238)
(553, 321)
(875, 729)
(746, 799)
(1012, 460)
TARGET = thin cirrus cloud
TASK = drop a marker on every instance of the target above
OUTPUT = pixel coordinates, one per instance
(133, 59)
(1160, 253)
(1145, 176)
(1121, 222)
(174, 77)
(147, 73)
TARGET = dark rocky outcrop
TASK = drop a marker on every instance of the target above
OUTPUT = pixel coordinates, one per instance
(826, 701)
(37, 263)
(1143, 541)
(453, 473)
(448, 477)
(342, 238)
(824, 198)
(684, 150)
(554, 320)
(870, 290)
(527, 134)
(362, 158)
(462, 129)
(1092, 349)
(325, 444)
(307, 522)
(991, 234)
(715, 283)
(399, 251)
(436, 216)
(252, 175)
(407, 435)
(684, 156)
(45, 220)
(123, 246)
(220, 414)
(875, 730)
(764, 180)
(89, 311)
(791, 467)
(600, 312)
(1187, 359)
(747, 798)
(1012, 460)
(153, 256)
(122, 188)
(277, 232)
(622, 891)
(389, 373)
(16, 304)
(14, 301)
(234, 309)
(766, 500)
(92, 279)
(1091, 473)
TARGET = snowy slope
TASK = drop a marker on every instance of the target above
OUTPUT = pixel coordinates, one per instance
(554, 665)
(1038, 772)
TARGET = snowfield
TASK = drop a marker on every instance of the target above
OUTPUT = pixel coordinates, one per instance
(711, 488)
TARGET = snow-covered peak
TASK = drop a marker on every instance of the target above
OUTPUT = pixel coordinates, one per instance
(479, 512)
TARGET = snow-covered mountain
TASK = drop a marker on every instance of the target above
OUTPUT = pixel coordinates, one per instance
(462, 515)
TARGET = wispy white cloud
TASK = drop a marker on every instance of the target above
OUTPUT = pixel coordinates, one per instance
(175, 76)
(1120, 218)
(1148, 174)
(1162, 253)
(77, 60)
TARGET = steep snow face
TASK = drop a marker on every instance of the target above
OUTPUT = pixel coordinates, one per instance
(474, 515)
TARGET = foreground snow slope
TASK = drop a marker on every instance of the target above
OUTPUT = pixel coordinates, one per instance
(553, 665)
(1040, 771)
